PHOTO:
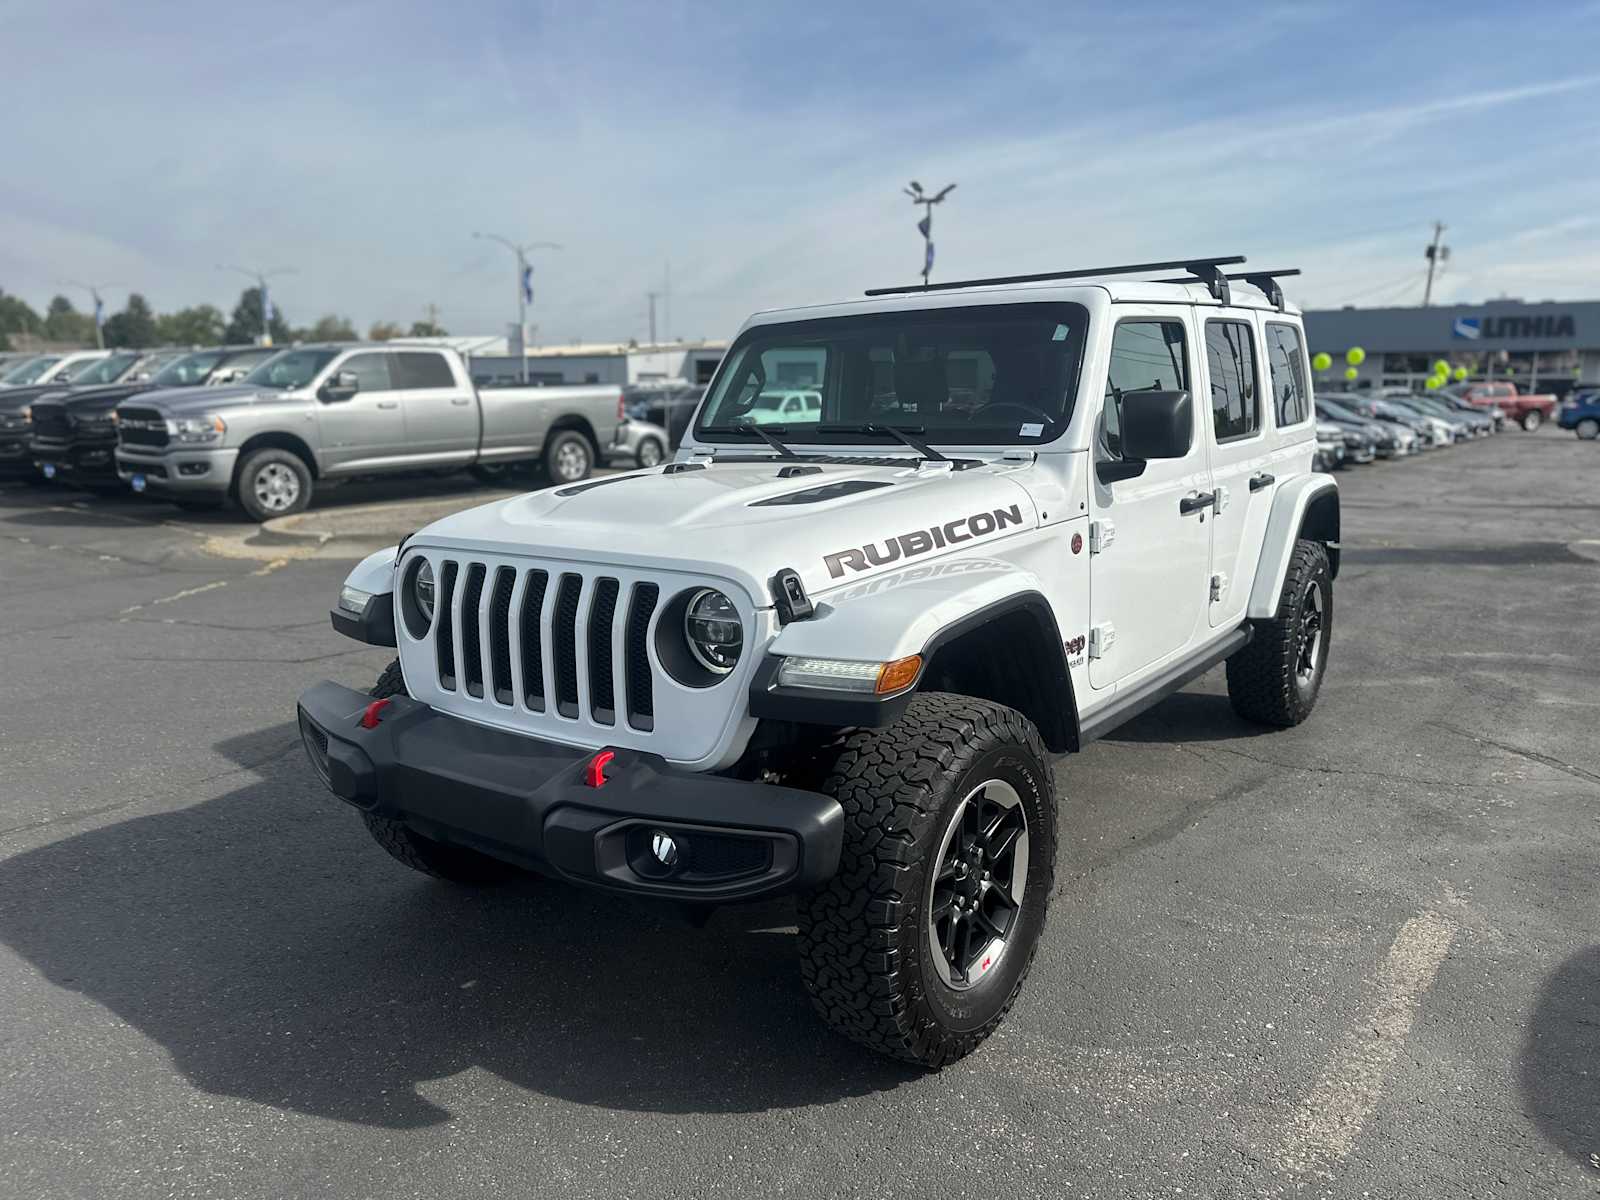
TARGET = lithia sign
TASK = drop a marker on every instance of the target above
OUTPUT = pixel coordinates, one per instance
(1549, 325)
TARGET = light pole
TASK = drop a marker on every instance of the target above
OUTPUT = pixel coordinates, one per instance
(524, 285)
(94, 290)
(261, 278)
(925, 226)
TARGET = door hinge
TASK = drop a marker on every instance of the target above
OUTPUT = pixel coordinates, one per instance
(1101, 535)
(1101, 638)
(1219, 586)
(1221, 500)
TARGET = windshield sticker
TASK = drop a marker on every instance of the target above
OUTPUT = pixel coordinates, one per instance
(1030, 429)
(921, 541)
(1061, 334)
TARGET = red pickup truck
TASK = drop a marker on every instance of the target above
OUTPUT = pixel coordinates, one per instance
(1528, 411)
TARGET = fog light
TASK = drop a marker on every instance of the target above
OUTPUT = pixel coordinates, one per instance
(664, 848)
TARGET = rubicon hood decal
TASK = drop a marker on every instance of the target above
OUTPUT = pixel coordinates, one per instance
(921, 541)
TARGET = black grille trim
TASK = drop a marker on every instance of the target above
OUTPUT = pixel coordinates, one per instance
(564, 635)
(533, 641)
(471, 633)
(154, 435)
(505, 582)
(602, 612)
(641, 687)
(445, 640)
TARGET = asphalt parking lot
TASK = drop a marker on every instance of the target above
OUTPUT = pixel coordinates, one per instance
(1359, 958)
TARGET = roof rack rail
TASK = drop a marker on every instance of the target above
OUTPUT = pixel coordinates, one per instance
(1267, 281)
(1204, 269)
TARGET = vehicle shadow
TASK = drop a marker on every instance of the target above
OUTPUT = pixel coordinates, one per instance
(1560, 1084)
(1188, 717)
(280, 956)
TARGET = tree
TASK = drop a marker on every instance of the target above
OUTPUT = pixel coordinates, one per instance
(17, 316)
(382, 331)
(428, 329)
(134, 326)
(245, 325)
(64, 323)
(331, 328)
(199, 325)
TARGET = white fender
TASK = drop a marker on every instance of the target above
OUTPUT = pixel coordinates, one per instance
(375, 572)
(1289, 505)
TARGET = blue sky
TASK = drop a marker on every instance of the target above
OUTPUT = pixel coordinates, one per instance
(760, 148)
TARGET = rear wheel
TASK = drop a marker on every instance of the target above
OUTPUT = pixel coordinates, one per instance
(420, 853)
(650, 452)
(1588, 429)
(273, 483)
(1532, 419)
(1276, 678)
(568, 457)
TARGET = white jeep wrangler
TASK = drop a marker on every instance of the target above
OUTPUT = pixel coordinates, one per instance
(835, 658)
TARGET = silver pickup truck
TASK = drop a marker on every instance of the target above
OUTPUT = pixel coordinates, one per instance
(318, 413)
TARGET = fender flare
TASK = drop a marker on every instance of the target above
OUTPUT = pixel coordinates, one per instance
(374, 624)
(1304, 507)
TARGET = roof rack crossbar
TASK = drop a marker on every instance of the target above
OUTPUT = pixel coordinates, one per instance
(1267, 281)
(1202, 267)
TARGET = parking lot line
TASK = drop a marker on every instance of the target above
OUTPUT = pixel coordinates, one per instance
(1326, 1127)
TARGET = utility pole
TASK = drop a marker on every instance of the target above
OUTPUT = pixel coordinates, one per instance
(1435, 254)
(94, 290)
(524, 286)
(925, 226)
(652, 297)
(261, 278)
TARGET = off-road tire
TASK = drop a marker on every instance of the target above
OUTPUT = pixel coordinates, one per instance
(244, 484)
(561, 453)
(865, 953)
(1588, 429)
(1264, 682)
(1531, 420)
(438, 859)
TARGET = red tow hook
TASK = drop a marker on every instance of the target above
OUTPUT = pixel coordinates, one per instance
(372, 715)
(594, 773)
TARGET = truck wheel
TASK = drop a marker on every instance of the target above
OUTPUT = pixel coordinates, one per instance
(273, 483)
(1275, 679)
(1588, 429)
(420, 853)
(649, 453)
(1532, 419)
(568, 457)
(920, 943)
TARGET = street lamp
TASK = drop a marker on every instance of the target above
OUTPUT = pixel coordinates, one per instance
(524, 285)
(261, 278)
(94, 289)
(925, 226)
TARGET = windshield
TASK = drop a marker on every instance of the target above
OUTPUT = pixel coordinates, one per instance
(188, 370)
(291, 369)
(998, 374)
(30, 370)
(103, 370)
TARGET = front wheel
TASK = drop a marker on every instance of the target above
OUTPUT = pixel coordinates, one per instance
(273, 483)
(920, 943)
(1532, 419)
(1275, 679)
(1588, 429)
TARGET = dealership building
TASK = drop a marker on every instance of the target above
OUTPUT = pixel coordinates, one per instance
(1546, 347)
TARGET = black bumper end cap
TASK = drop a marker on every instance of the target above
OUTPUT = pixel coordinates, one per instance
(373, 625)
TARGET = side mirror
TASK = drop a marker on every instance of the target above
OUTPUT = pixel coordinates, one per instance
(1157, 425)
(341, 387)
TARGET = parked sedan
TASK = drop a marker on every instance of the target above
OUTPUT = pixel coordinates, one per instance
(1391, 440)
(637, 443)
(1330, 447)
(1477, 422)
(1581, 414)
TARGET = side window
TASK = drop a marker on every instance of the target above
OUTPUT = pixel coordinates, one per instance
(419, 369)
(1231, 361)
(1286, 362)
(371, 371)
(1146, 356)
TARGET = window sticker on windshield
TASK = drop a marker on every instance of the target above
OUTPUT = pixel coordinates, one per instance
(1030, 429)
(1060, 334)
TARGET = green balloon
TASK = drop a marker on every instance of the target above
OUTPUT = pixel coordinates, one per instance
(1441, 367)
(1355, 356)
(1432, 383)
(1351, 373)
(1321, 360)
(1459, 374)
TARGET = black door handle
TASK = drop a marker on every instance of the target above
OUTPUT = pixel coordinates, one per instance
(1194, 504)
(1261, 480)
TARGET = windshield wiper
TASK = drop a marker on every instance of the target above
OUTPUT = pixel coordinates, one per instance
(764, 432)
(909, 434)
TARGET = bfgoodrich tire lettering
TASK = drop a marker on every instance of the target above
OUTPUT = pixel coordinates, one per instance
(865, 944)
(1275, 680)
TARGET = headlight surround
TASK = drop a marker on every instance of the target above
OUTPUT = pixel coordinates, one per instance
(713, 631)
(422, 590)
(192, 430)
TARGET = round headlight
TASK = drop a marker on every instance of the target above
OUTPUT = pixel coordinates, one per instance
(715, 635)
(422, 588)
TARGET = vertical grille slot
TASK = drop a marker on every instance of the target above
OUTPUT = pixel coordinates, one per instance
(602, 691)
(471, 634)
(533, 640)
(505, 581)
(641, 692)
(564, 645)
(445, 639)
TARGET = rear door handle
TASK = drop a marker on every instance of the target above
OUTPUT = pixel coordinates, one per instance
(461, 400)
(388, 404)
(1190, 505)
(1262, 480)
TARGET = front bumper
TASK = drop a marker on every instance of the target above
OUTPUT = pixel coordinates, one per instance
(75, 461)
(183, 471)
(527, 801)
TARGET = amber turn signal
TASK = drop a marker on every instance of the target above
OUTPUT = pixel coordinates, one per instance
(901, 673)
